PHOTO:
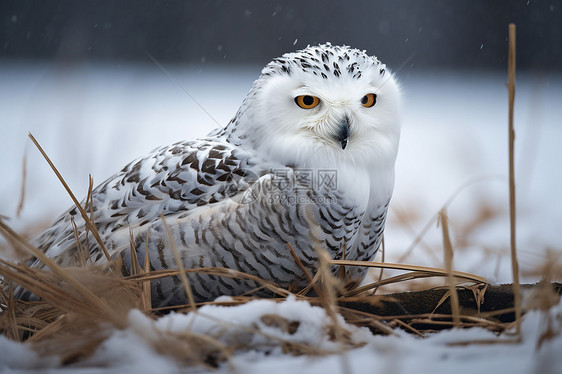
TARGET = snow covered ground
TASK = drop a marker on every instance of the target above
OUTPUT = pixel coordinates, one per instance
(94, 119)
(133, 350)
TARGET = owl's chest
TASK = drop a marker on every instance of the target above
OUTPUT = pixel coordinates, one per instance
(363, 197)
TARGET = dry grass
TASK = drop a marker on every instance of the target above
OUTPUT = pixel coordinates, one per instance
(448, 254)
(512, 211)
(89, 223)
(79, 307)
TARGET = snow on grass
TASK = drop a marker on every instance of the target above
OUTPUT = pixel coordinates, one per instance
(18, 356)
(254, 325)
(133, 349)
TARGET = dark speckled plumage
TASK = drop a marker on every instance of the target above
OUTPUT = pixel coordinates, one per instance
(222, 200)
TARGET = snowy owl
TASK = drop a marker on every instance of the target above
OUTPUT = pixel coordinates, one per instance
(306, 162)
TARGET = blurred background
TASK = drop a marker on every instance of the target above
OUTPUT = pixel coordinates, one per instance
(421, 34)
(79, 76)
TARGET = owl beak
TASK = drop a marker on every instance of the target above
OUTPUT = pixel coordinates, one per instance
(343, 133)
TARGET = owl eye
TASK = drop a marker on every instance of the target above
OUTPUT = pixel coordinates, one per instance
(307, 101)
(369, 100)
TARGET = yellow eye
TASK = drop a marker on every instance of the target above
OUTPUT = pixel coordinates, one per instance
(307, 101)
(369, 100)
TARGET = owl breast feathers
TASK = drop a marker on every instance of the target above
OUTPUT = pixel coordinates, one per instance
(307, 162)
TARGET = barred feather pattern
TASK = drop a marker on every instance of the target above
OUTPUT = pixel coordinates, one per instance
(220, 195)
(201, 188)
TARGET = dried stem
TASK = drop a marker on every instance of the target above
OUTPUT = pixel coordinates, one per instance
(89, 223)
(299, 263)
(448, 255)
(430, 271)
(146, 300)
(512, 210)
(23, 180)
(181, 269)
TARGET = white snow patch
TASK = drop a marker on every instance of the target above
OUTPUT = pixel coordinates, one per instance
(458, 350)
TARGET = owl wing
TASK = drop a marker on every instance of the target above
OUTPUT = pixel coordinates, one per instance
(172, 179)
(201, 188)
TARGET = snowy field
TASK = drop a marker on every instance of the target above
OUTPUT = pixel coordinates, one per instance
(95, 119)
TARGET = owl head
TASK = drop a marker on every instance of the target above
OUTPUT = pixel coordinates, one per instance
(320, 105)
